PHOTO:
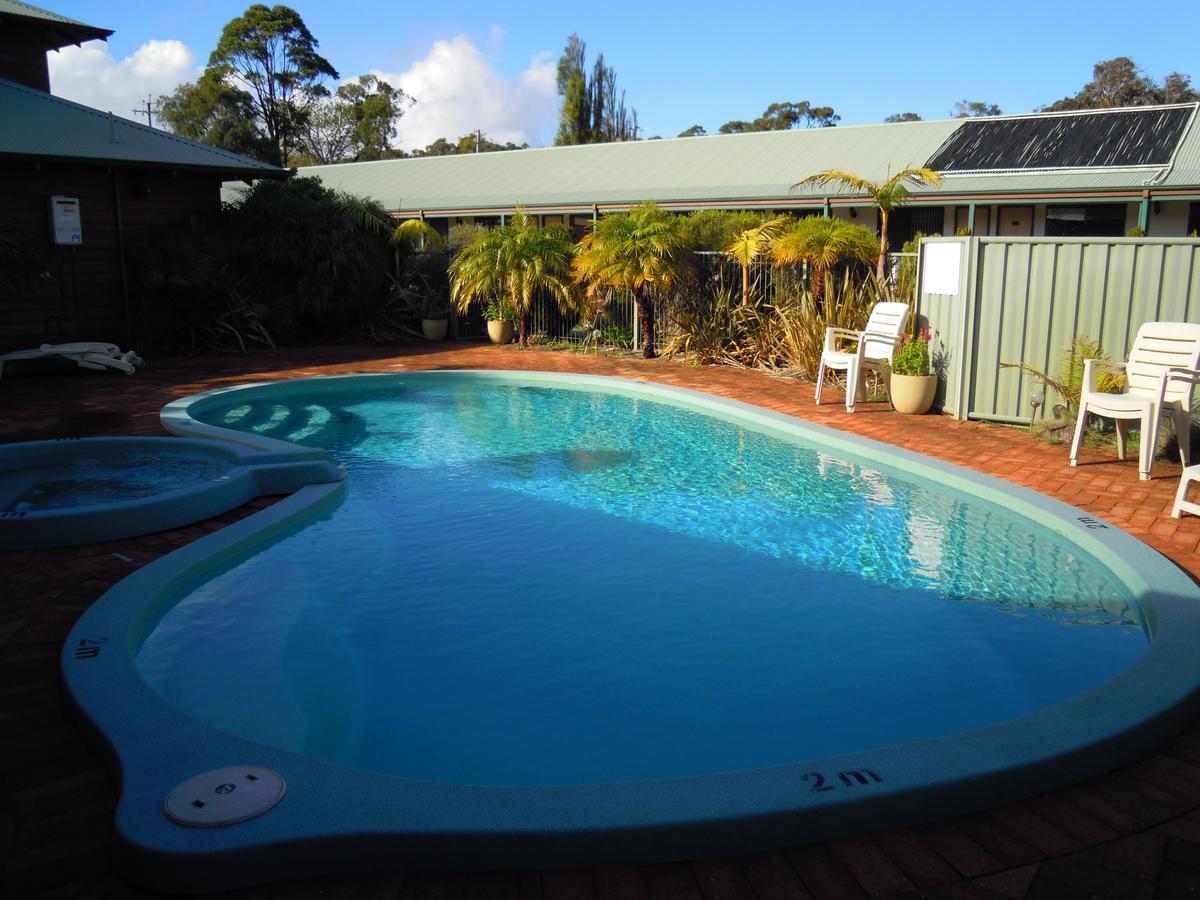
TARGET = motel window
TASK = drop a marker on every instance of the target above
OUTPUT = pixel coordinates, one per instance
(983, 219)
(907, 221)
(1092, 220)
(1193, 225)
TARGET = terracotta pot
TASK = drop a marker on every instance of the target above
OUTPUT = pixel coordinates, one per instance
(435, 329)
(500, 332)
(912, 394)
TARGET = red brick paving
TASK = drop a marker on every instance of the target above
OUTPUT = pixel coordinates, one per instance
(1133, 833)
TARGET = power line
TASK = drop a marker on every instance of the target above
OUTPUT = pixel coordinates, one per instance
(150, 110)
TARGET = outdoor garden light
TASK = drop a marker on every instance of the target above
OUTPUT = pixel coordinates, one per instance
(1035, 400)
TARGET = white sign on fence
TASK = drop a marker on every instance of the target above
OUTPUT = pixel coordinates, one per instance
(941, 268)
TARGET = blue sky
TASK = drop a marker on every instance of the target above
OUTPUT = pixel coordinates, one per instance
(681, 63)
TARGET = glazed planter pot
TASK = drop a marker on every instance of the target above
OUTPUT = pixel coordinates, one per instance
(912, 394)
(500, 332)
(435, 329)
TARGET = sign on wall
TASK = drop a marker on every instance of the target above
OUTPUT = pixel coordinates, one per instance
(941, 268)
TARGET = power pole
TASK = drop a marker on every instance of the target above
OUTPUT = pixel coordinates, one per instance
(149, 110)
(478, 139)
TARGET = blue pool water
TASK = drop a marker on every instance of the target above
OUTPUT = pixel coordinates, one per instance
(531, 585)
(104, 475)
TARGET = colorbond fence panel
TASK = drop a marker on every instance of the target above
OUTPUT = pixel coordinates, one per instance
(1025, 300)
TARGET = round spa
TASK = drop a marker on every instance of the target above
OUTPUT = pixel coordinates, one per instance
(563, 620)
(78, 490)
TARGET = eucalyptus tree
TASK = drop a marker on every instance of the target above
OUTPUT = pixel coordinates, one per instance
(641, 252)
(269, 55)
(887, 195)
(515, 262)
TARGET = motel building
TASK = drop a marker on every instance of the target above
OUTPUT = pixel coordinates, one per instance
(1072, 174)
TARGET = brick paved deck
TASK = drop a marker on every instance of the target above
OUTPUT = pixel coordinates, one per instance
(1133, 833)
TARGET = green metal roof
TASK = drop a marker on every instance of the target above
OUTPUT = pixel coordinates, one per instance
(751, 169)
(64, 30)
(37, 125)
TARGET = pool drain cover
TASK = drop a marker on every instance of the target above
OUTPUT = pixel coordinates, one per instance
(224, 796)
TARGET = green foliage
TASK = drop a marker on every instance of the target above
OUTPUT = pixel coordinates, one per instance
(712, 230)
(903, 117)
(712, 327)
(1069, 382)
(462, 235)
(1136, 231)
(417, 235)
(693, 131)
(468, 143)
(212, 112)
(269, 55)
(357, 123)
(913, 356)
(748, 246)
(971, 109)
(888, 195)
(906, 274)
(641, 252)
(784, 117)
(1121, 82)
(291, 261)
(500, 310)
(516, 261)
(592, 111)
(822, 243)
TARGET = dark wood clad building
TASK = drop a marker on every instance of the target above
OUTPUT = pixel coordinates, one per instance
(76, 186)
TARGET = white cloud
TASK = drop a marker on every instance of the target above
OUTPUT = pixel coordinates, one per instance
(89, 74)
(457, 91)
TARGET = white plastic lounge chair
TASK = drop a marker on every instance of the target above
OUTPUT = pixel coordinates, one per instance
(87, 354)
(1182, 504)
(1159, 378)
(875, 345)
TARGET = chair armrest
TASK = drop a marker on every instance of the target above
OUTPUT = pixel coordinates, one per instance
(1089, 372)
(833, 335)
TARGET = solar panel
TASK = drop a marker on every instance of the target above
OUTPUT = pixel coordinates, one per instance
(1096, 139)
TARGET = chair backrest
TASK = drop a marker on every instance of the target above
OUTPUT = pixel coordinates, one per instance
(1159, 346)
(886, 318)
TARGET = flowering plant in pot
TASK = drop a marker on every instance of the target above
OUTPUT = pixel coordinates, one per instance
(501, 318)
(911, 384)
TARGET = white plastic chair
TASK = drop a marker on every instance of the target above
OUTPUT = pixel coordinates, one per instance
(875, 345)
(87, 354)
(1159, 378)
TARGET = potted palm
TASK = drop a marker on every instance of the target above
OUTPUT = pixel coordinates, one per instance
(435, 317)
(514, 262)
(501, 318)
(911, 384)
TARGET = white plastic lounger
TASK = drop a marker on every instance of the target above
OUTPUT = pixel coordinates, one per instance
(87, 354)
(875, 345)
(1159, 378)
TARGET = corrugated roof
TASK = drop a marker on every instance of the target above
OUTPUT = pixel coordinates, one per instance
(36, 124)
(69, 31)
(756, 167)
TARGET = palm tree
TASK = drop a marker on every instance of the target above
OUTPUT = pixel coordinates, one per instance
(750, 244)
(419, 233)
(640, 252)
(887, 196)
(515, 261)
(822, 242)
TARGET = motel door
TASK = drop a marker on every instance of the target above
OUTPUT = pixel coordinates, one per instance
(1014, 221)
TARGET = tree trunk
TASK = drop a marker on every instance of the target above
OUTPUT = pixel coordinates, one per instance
(523, 328)
(881, 267)
(745, 285)
(645, 307)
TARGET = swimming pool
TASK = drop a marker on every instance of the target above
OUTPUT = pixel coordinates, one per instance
(551, 609)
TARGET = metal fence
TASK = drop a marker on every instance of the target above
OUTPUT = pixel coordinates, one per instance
(993, 300)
